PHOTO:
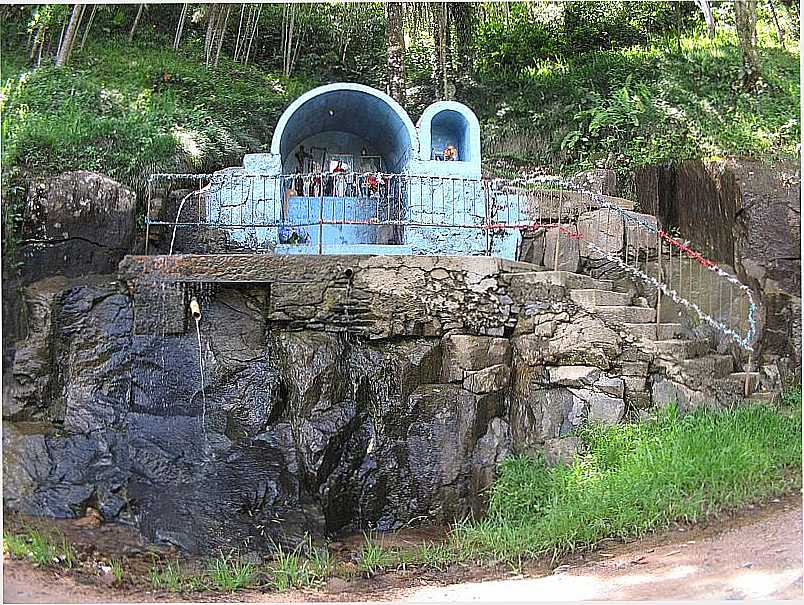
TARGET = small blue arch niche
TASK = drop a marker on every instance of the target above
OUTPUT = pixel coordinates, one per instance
(451, 128)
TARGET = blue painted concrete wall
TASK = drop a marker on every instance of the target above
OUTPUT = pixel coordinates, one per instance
(352, 116)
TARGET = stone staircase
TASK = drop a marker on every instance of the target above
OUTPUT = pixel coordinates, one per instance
(684, 359)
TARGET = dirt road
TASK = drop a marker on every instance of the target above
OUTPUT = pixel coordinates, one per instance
(761, 560)
(756, 556)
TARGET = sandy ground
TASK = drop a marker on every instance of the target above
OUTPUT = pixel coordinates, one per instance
(757, 555)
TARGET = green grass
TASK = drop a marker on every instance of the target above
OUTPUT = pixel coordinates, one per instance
(293, 569)
(129, 110)
(636, 106)
(373, 557)
(167, 577)
(639, 477)
(228, 573)
(43, 548)
(118, 572)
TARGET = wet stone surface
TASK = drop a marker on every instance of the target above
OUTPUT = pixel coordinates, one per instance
(313, 419)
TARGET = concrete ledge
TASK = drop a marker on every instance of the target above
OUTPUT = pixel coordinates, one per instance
(378, 296)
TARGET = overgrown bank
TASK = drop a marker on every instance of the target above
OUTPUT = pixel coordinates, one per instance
(131, 109)
(631, 479)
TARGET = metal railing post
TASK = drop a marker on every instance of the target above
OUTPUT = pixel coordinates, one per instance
(658, 289)
(747, 387)
(487, 219)
(558, 229)
(321, 216)
(148, 214)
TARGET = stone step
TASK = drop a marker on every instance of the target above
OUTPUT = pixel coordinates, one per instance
(736, 384)
(772, 397)
(626, 314)
(737, 379)
(591, 297)
(681, 348)
(573, 281)
(666, 331)
(711, 366)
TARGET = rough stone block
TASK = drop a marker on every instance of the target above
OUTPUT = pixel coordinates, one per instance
(573, 376)
(639, 238)
(562, 450)
(601, 407)
(463, 353)
(488, 380)
(532, 248)
(585, 340)
(597, 180)
(568, 251)
(605, 229)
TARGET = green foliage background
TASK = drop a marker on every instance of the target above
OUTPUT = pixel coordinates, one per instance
(558, 86)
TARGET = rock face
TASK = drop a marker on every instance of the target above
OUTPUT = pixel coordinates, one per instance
(748, 215)
(83, 221)
(304, 419)
(598, 180)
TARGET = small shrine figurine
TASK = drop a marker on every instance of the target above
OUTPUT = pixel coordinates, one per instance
(450, 153)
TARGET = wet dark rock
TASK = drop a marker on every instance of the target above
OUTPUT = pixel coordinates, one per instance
(745, 214)
(295, 427)
(57, 475)
(492, 448)
(77, 223)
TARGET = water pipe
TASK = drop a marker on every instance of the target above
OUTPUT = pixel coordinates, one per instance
(195, 309)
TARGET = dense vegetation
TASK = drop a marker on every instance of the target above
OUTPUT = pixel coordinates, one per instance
(558, 86)
(634, 478)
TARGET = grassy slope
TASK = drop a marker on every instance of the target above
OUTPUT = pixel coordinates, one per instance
(125, 110)
(652, 104)
(638, 477)
(129, 110)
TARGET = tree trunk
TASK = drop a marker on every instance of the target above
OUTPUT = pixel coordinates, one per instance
(136, 22)
(447, 54)
(210, 35)
(61, 36)
(745, 18)
(221, 34)
(63, 56)
(438, 55)
(463, 14)
(708, 16)
(180, 26)
(218, 12)
(779, 30)
(288, 29)
(395, 41)
(89, 25)
(238, 39)
(253, 33)
(37, 42)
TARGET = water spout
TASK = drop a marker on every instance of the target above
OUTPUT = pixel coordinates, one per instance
(178, 215)
(195, 311)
